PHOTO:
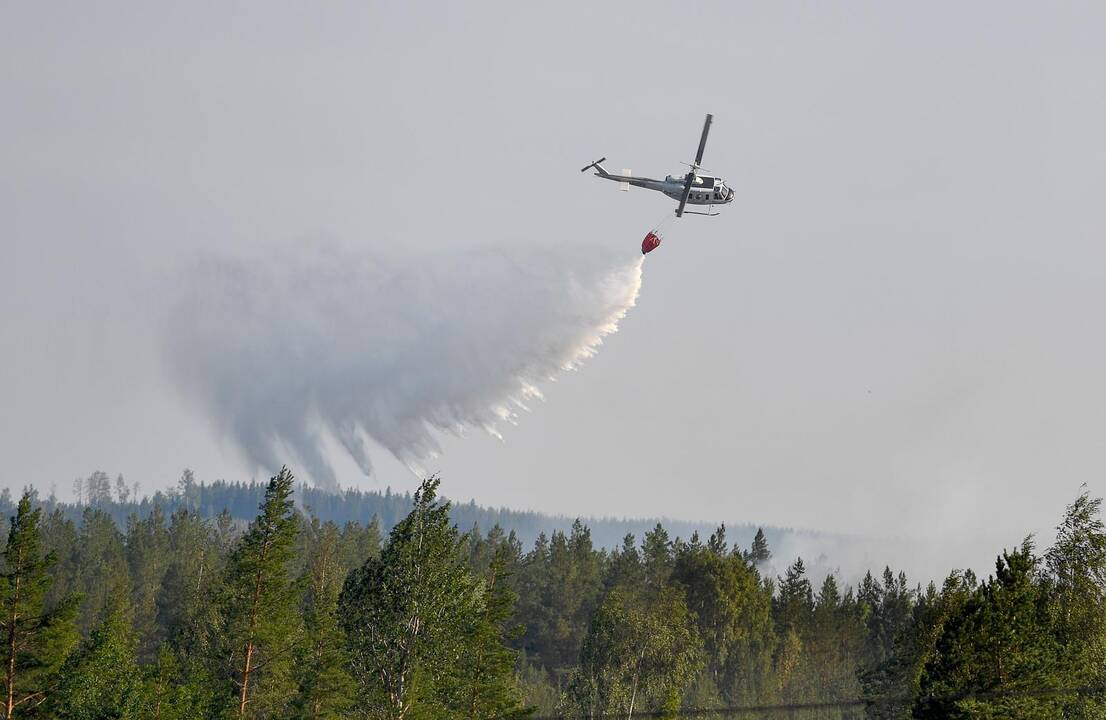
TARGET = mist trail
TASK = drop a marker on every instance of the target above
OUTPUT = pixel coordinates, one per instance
(283, 352)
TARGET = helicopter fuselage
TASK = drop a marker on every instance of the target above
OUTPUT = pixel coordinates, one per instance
(706, 190)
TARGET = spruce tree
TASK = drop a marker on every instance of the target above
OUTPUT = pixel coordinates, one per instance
(717, 542)
(1001, 641)
(624, 568)
(586, 582)
(563, 605)
(260, 604)
(890, 687)
(759, 553)
(795, 602)
(533, 582)
(36, 638)
(656, 552)
(481, 685)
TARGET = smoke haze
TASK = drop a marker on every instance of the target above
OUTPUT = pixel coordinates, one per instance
(890, 333)
(318, 341)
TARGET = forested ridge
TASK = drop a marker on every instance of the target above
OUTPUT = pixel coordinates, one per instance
(183, 611)
(121, 499)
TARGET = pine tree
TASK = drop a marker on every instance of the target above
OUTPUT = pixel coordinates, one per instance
(717, 542)
(325, 687)
(359, 543)
(60, 539)
(187, 618)
(101, 564)
(36, 639)
(148, 558)
(260, 604)
(98, 488)
(122, 490)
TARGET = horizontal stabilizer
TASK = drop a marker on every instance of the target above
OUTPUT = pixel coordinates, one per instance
(625, 186)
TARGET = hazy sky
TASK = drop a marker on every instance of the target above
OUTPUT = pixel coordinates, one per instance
(894, 329)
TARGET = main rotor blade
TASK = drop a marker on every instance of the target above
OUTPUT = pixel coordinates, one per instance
(703, 139)
(687, 192)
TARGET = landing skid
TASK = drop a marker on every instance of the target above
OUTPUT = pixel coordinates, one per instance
(707, 214)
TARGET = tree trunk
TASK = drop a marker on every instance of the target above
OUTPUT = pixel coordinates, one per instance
(9, 671)
(633, 693)
(247, 668)
(242, 697)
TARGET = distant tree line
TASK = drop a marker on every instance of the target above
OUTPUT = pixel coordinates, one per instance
(188, 613)
(121, 499)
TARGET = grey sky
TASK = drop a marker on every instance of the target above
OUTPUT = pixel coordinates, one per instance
(893, 329)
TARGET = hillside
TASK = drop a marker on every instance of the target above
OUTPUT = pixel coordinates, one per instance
(823, 552)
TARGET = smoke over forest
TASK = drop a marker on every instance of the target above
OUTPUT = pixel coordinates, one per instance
(283, 352)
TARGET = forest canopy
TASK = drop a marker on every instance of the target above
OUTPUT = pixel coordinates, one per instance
(177, 609)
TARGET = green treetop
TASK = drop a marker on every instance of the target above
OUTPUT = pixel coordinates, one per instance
(36, 639)
(325, 688)
(260, 604)
(404, 611)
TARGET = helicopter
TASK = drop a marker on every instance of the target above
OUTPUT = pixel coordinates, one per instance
(692, 188)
